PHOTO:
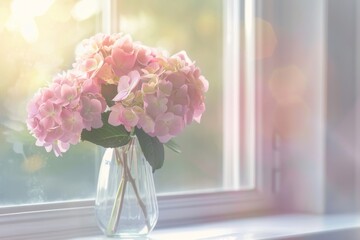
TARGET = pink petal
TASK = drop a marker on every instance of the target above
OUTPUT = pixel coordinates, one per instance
(165, 87)
(147, 123)
(115, 115)
(165, 138)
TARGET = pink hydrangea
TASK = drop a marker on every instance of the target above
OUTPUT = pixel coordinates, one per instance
(155, 92)
(172, 93)
(58, 114)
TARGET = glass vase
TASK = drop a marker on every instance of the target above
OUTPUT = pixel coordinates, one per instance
(126, 204)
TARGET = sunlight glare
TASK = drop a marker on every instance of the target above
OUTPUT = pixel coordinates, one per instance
(29, 9)
(249, 236)
(85, 9)
(135, 24)
(29, 30)
(22, 17)
(25, 26)
(4, 15)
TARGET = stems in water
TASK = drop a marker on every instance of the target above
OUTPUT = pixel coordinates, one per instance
(119, 200)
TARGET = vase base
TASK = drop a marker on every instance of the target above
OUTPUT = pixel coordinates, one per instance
(130, 237)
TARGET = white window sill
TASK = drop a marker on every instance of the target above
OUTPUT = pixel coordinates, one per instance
(289, 226)
(68, 220)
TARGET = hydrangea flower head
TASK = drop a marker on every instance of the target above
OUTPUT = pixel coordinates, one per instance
(157, 93)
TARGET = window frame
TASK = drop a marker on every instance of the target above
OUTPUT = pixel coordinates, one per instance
(76, 218)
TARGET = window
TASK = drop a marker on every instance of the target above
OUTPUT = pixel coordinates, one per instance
(281, 122)
(226, 164)
(161, 23)
(40, 177)
(38, 40)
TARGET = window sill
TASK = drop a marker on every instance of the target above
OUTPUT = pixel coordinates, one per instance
(287, 226)
(76, 219)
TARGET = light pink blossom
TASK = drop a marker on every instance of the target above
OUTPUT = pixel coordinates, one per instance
(91, 109)
(123, 116)
(167, 126)
(158, 93)
(123, 56)
(155, 106)
(127, 84)
(58, 114)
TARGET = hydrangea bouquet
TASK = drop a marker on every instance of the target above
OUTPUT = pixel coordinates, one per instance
(117, 86)
(117, 89)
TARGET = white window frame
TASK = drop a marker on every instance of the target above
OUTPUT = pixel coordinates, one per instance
(76, 219)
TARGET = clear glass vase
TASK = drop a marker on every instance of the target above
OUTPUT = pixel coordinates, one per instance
(126, 204)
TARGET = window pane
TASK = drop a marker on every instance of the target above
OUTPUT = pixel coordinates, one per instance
(37, 41)
(194, 26)
(290, 43)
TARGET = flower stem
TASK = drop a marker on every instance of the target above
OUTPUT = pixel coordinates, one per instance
(133, 184)
(141, 203)
(119, 199)
(117, 207)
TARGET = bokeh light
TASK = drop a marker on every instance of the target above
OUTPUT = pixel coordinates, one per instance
(266, 39)
(38, 39)
(288, 84)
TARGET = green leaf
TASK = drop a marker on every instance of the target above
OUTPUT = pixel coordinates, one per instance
(152, 148)
(109, 91)
(173, 146)
(107, 136)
